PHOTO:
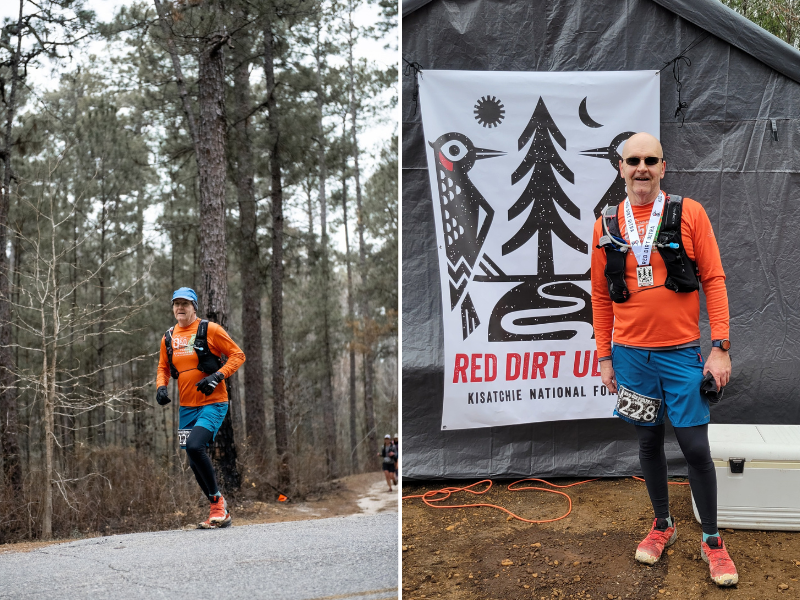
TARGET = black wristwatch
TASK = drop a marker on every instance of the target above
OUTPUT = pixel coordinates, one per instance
(721, 344)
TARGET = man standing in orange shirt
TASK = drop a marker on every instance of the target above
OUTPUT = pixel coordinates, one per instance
(651, 253)
(190, 353)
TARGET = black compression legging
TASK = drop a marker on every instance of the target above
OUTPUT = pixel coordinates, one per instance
(702, 476)
(199, 460)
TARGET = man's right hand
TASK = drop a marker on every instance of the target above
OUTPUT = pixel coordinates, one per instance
(161, 396)
(608, 377)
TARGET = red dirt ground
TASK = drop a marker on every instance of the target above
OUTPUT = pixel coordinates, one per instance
(477, 553)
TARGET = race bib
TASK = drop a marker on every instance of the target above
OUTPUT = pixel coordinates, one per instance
(636, 406)
(183, 436)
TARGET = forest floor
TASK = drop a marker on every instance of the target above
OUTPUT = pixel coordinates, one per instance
(365, 493)
(482, 553)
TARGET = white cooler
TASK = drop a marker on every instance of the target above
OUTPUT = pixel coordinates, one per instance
(758, 476)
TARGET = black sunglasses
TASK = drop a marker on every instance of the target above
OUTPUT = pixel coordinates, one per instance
(649, 161)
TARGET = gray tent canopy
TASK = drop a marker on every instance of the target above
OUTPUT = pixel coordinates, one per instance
(737, 152)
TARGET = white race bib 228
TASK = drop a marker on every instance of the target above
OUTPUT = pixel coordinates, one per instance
(636, 406)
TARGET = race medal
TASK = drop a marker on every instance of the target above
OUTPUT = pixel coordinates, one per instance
(643, 248)
(644, 276)
(183, 436)
(637, 407)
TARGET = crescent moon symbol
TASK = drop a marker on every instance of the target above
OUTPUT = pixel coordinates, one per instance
(584, 115)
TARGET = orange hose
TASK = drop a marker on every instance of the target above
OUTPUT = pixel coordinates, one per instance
(429, 498)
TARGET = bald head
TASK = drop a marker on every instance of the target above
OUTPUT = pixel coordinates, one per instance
(642, 181)
(642, 144)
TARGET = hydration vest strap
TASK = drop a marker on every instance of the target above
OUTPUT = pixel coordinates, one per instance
(615, 275)
(202, 335)
(682, 273)
(207, 362)
(672, 214)
(615, 257)
(612, 223)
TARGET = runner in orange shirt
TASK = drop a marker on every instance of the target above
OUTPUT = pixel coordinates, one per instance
(203, 401)
(651, 253)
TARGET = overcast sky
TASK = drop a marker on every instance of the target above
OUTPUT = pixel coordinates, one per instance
(103, 8)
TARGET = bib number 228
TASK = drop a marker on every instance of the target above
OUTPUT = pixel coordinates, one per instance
(636, 406)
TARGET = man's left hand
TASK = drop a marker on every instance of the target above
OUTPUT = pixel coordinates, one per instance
(719, 365)
(207, 385)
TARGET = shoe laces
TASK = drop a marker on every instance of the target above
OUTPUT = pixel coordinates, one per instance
(718, 555)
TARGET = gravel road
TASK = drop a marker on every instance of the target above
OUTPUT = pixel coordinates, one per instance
(340, 558)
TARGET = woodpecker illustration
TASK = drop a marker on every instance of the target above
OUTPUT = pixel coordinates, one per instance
(466, 217)
(616, 193)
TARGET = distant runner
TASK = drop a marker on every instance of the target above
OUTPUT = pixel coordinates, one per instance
(389, 454)
(190, 353)
(651, 253)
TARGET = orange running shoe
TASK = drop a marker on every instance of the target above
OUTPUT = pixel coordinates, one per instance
(220, 516)
(661, 535)
(723, 571)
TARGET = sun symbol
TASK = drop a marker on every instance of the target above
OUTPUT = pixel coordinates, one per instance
(489, 111)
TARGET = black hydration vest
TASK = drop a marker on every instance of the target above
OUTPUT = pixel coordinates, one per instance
(682, 273)
(206, 361)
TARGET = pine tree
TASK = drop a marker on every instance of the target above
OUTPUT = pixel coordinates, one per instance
(242, 151)
(546, 289)
(543, 191)
(280, 410)
(209, 137)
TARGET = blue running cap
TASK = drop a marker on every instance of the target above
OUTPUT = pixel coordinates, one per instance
(186, 294)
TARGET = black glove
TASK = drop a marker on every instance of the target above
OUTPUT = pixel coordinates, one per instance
(207, 385)
(708, 388)
(161, 396)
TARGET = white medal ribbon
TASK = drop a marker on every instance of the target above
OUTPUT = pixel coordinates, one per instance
(643, 249)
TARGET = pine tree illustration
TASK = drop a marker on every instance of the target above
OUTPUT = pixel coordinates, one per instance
(543, 191)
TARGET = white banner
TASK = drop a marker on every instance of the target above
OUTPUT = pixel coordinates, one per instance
(520, 165)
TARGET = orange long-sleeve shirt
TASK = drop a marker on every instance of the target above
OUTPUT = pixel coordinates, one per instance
(185, 360)
(655, 316)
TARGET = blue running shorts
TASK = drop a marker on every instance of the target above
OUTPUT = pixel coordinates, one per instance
(674, 376)
(209, 416)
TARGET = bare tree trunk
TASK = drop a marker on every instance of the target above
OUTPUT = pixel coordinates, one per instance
(100, 434)
(280, 409)
(326, 390)
(136, 375)
(311, 246)
(211, 166)
(350, 320)
(49, 380)
(167, 446)
(256, 426)
(8, 397)
(49, 386)
(71, 422)
(366, 315)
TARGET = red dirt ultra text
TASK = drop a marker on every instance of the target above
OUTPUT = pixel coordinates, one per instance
(477, 368)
